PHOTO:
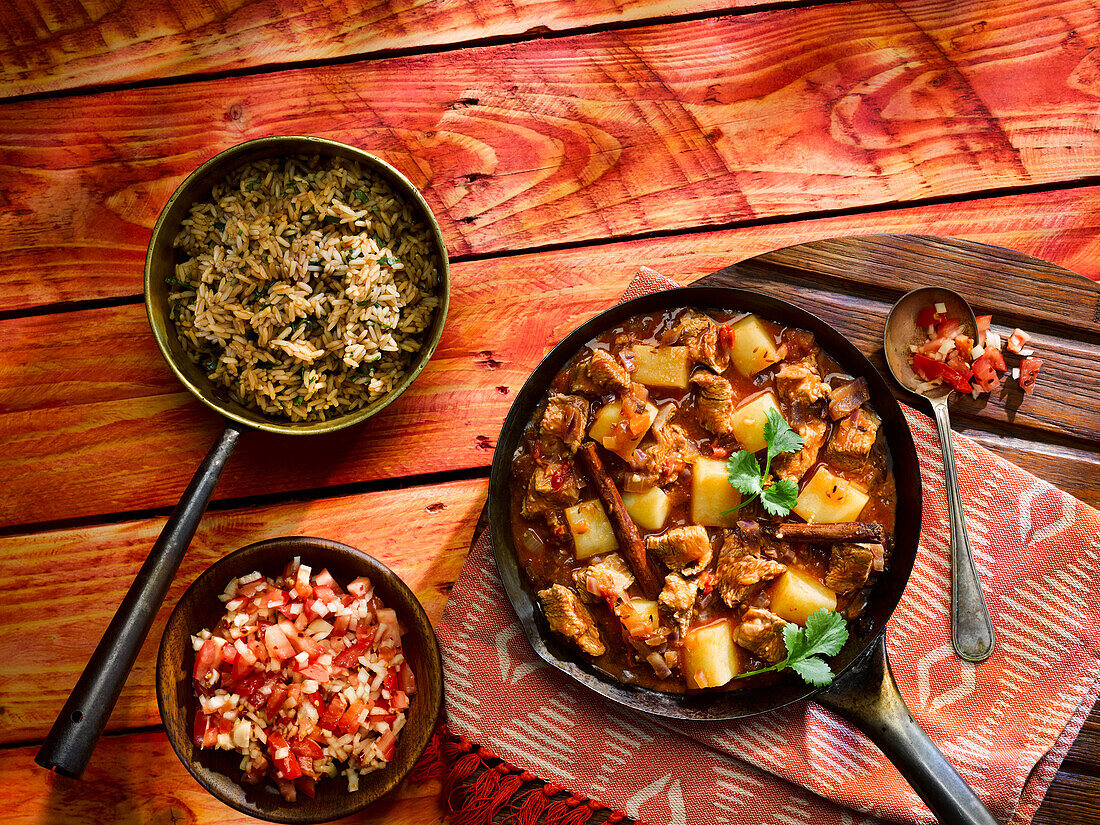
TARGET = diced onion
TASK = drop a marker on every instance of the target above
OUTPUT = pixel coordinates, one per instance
(660, 667)
(532, 542)
(941, 309)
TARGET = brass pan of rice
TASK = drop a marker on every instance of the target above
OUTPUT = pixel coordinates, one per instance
(296, 285)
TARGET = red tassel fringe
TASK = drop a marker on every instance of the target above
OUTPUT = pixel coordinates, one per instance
(501, 788)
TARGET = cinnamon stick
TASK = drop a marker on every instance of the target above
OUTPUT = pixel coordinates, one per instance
(625, 529)
(825, 533)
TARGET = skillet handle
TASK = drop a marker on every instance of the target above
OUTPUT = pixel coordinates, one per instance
(74, 734)
(868, 697)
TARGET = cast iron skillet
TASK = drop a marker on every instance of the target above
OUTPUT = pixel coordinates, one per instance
(864, 691)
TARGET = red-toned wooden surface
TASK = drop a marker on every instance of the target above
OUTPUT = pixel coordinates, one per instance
(562, 144)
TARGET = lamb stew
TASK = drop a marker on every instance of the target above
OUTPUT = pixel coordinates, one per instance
(645, 557)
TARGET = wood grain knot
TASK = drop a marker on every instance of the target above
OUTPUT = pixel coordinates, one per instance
(486, 361)
(483, 442)
(439, 506)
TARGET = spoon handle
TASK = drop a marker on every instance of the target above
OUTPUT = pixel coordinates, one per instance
(971, 626)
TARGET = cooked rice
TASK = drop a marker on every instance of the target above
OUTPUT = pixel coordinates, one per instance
(305, 287)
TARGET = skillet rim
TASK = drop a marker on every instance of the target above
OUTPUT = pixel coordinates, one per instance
(718, 706)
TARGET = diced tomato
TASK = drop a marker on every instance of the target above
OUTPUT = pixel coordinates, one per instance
(726, 336)
(349, 657)
(316, 672)
(278, 646)
(390, 682)
(325, 579)
(1029, 371)
(306, 764)
(286, 767)
(323, 592)
(929, 370)
(276, 699)
(388, 718)
(307, 785)
(719, 452)
(957, 362)
(965, 345)
(928, 316)
(387, 743)
(948, 328)
(207, 660)
(291, 611)
(349, 722)
(398, 700)
(276, 598)
(336, 709)
(301, 581)
(306, 747)
(340, 626)
(984, 376)
(996, 358)
(360, 587)
(300, 643)
(408, 680)
(229, 654)
(983, 325)
(241, 667)
(1016, 340)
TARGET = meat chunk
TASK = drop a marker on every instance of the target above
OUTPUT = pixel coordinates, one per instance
(800, 382)
(564, 422)
(607, 579)
(678, 600)
(601, 372)
(684, 549)
(566, 615)
(850, 566)
(761, 631)
(553, 484)
(799, 344)
(741, 571)
(715, 402)
(700, 335)
(795, 465)
(671, 451)
(853, 438)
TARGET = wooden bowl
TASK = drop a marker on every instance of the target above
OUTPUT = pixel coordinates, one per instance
(218, 771)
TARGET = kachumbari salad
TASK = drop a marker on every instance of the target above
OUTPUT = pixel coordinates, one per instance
(950, 356)
(303, 679)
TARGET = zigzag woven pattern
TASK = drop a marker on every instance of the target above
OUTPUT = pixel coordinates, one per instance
(1005, 724)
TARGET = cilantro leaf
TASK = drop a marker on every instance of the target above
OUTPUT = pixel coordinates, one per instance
(744, 473)
(746, 476)
(826, 632)
(780, 497)
(779, 435)
(814, 671)
(824, 635)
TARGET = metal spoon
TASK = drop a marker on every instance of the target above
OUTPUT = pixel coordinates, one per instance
(971, 627)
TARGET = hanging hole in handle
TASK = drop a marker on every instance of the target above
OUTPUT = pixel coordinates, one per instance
(77, 716)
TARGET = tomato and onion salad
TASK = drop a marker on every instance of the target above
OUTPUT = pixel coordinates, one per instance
(303, 678)
(948, 356)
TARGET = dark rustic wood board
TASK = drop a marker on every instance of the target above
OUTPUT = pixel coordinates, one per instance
(592, 136)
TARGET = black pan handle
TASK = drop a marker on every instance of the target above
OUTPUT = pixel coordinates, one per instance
(868, 697)
(74, 734)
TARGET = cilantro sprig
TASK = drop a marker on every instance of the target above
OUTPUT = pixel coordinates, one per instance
(745, 475)
(824, 635)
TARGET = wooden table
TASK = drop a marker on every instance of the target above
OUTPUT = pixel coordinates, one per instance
(561, 144)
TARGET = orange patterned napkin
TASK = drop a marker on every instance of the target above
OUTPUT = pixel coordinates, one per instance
(1005, 724)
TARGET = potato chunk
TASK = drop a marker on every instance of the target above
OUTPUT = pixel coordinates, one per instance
(647, 611)
(753, 347)
(749, 420)
(797, 595)
(606, 419)
(829, 498)
(711, 658)
(592, 532)
(711, 494)
(661, 366)
(649, 509)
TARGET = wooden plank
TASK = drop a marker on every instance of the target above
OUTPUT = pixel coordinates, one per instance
(68, 583)
(92, 422)
(699, 123)
(46, 47)
(137, 778)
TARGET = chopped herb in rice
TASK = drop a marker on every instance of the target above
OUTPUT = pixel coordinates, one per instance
(237, 296)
